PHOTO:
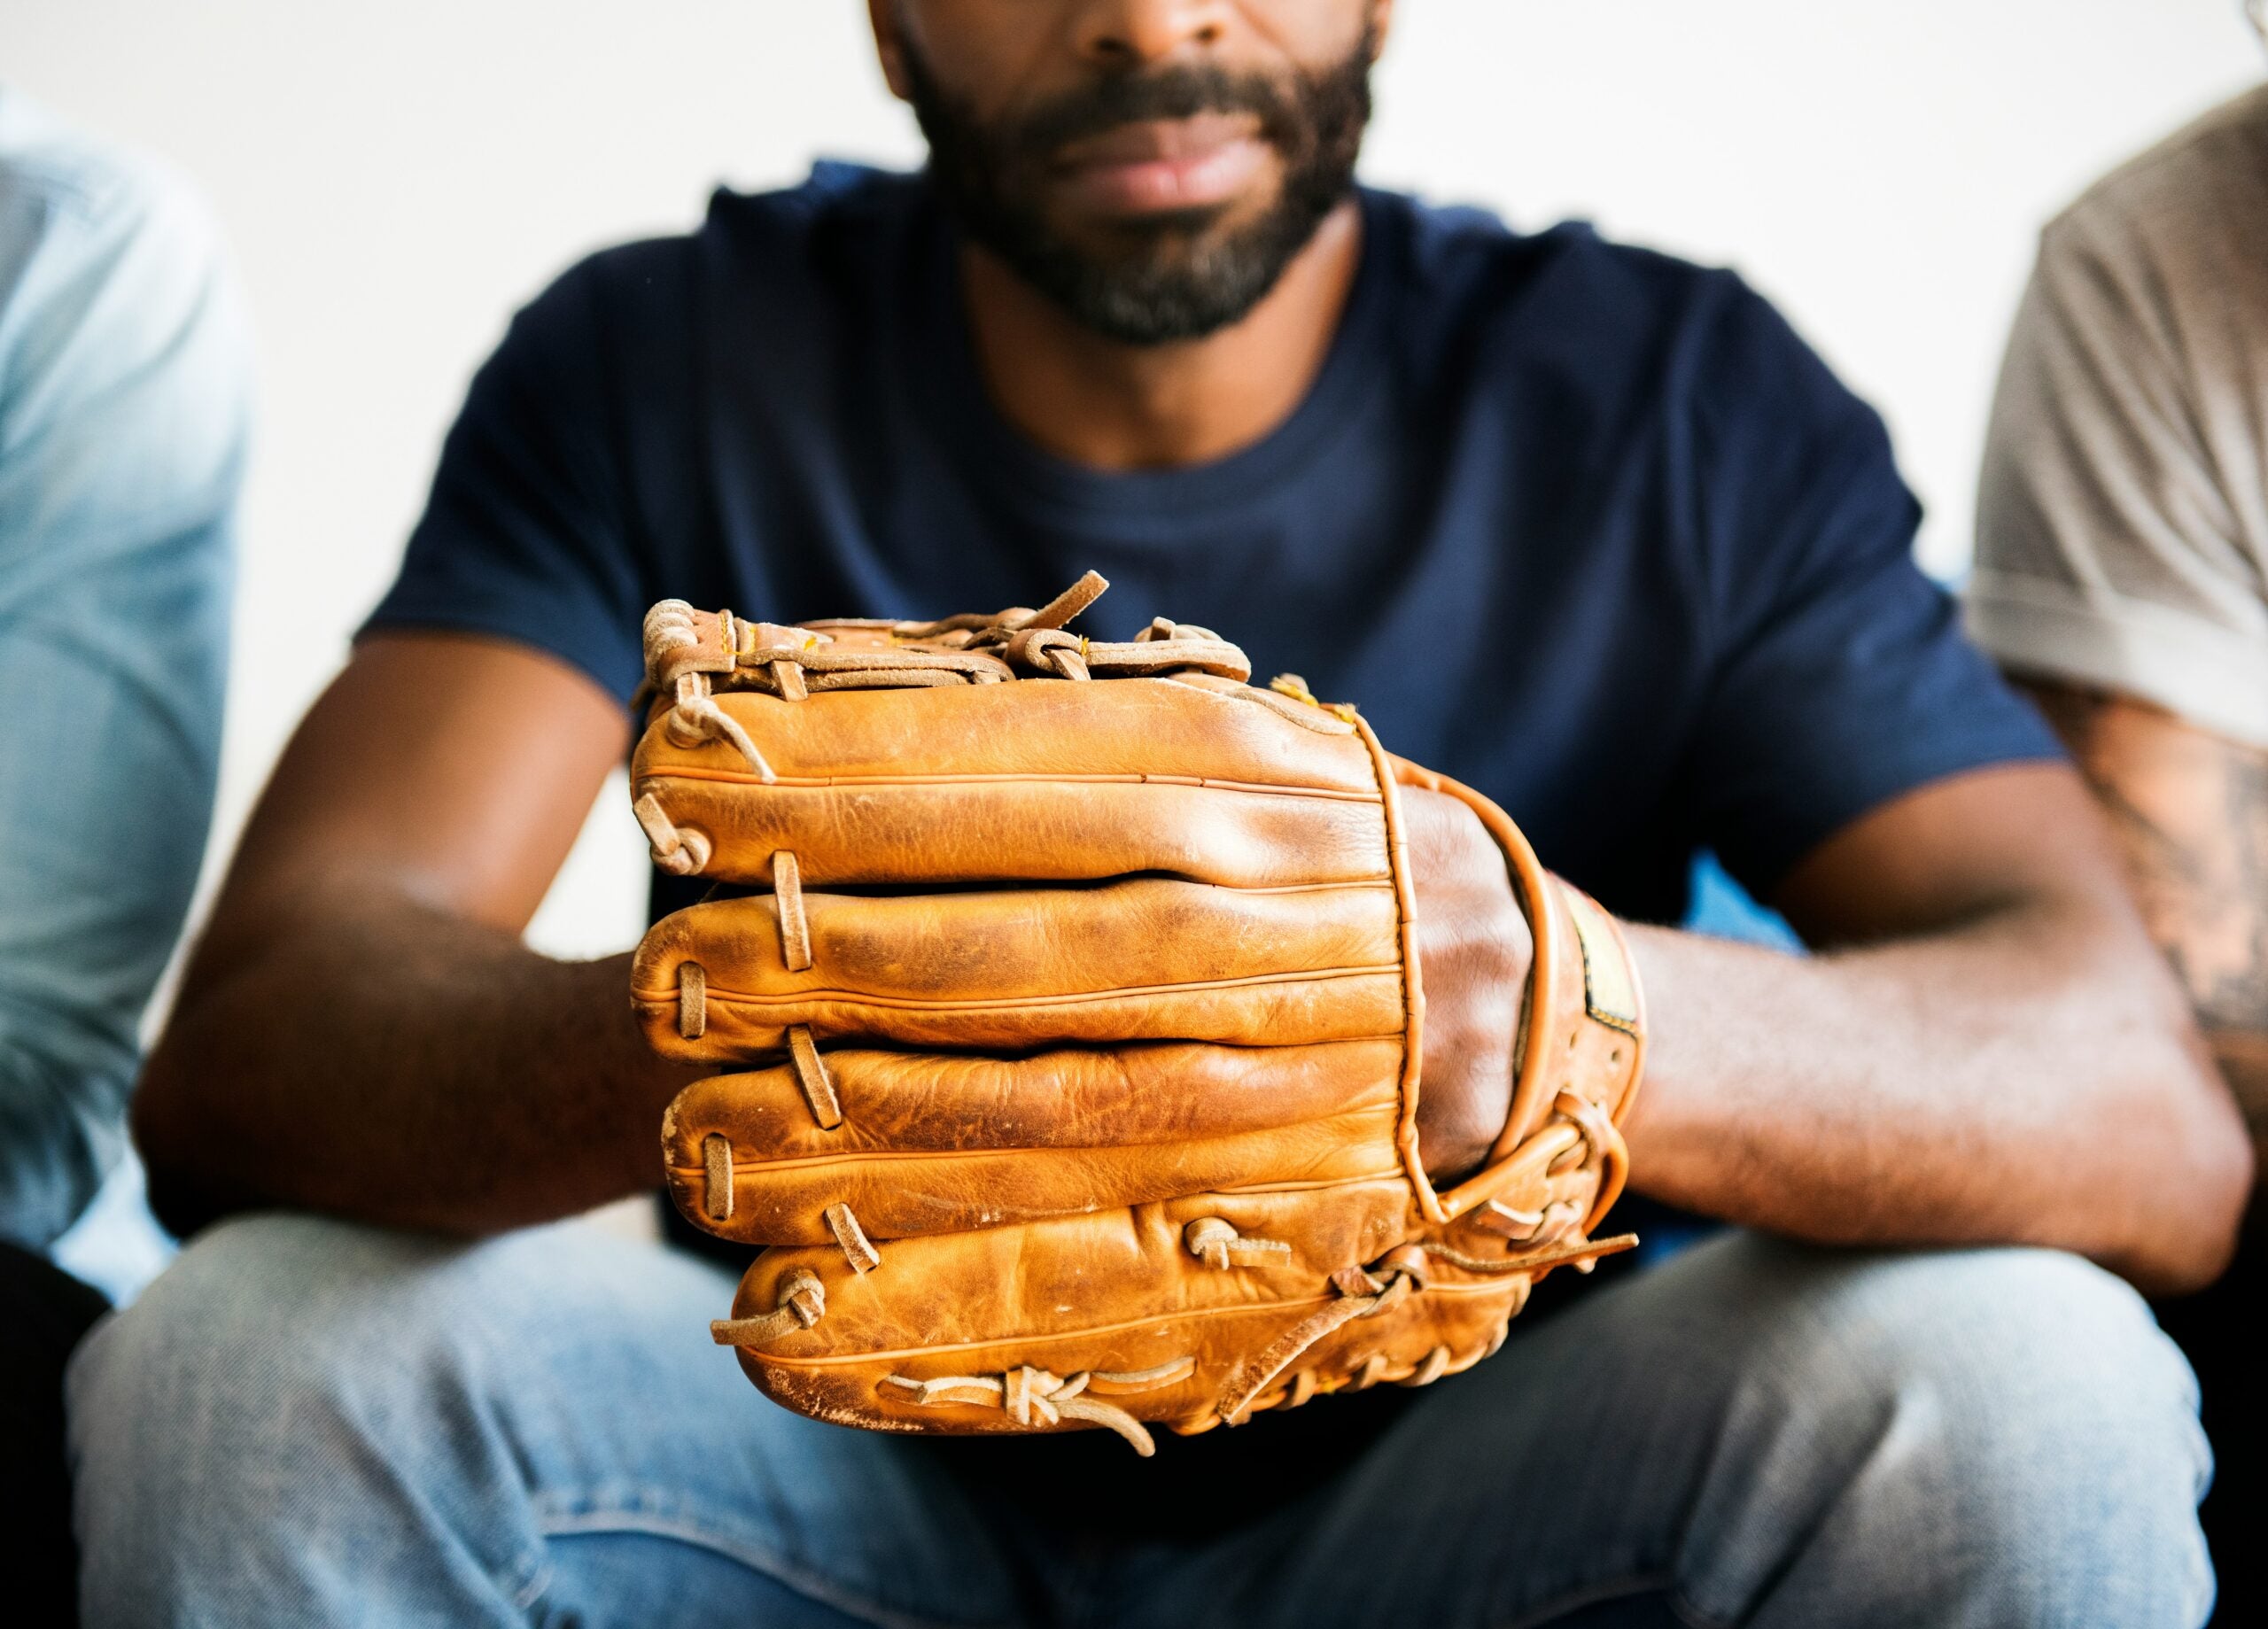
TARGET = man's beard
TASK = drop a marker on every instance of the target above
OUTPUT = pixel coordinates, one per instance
(1167, 277)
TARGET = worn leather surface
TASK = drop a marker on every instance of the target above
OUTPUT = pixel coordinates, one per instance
(1089, 996)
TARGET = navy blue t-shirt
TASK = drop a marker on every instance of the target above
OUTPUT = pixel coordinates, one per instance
(1584, 526)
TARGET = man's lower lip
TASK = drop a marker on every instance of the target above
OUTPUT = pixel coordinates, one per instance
(1191, 181)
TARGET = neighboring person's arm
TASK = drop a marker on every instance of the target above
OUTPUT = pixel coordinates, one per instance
(2190, 810)
(2122, 551)
(125, 379)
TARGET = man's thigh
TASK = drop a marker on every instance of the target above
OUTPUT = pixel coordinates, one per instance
(307, 1422)
(1762, 1433)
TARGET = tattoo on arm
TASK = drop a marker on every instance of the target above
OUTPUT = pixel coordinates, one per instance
(2191, 813)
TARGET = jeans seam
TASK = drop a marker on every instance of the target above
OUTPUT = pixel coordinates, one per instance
(755, 1557)
(1591, 1594)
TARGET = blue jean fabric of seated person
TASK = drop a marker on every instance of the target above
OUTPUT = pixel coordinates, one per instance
(393, 1430)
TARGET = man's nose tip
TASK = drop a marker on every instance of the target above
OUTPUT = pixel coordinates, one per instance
(1125, 33)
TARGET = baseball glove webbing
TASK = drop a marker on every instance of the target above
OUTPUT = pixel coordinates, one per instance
(1075, 1030)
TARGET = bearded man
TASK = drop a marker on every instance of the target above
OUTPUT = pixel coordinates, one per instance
(1584, 527)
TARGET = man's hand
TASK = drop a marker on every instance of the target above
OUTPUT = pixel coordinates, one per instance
(1088, 1013)
(361, 1031)
(1474, 948)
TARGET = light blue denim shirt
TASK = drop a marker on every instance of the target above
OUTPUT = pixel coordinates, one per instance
(125, 387)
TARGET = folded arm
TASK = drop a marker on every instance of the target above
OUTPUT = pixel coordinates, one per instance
(361, 1031)
(1986, 1050)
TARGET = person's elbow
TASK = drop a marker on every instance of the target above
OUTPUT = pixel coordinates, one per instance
(2190, 1200)
(172, 1130)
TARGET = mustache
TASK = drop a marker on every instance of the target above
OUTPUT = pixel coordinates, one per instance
(1182, 91)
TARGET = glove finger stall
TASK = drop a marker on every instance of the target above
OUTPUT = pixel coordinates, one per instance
(1171, 730)
(1032, 781)
(938, 830)
(1148, 958)
(936, 1145)
(894, 1102)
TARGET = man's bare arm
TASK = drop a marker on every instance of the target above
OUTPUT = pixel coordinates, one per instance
(1997, 1054)
(361, 1031)
(1988, 1049)
(2190, 810)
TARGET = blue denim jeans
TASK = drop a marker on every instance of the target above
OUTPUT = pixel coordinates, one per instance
(308, 1423)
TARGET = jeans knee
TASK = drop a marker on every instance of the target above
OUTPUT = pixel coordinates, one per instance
(271, 1305)
(2005, 1428)
(272, 1348)
(2028, 1364)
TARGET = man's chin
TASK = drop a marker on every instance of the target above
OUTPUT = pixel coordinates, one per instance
(1162, 235)
(1156, 278)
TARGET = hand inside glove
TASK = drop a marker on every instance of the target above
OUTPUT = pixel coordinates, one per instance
(1102, 1025)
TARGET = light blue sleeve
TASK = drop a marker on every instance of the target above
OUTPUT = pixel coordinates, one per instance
(125, 384)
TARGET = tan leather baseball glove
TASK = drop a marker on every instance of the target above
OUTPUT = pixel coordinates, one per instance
(1075, 1034)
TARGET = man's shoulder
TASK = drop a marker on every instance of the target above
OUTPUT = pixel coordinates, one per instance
(1633, 331)
(784, 241)
(1487, 288)
(1453, 248)
(2209, 178)
(47, 163)
(118, 311)
(2231, 137)
(835, 188)
(71, 202)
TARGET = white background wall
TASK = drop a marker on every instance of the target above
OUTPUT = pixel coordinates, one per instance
(397, 178)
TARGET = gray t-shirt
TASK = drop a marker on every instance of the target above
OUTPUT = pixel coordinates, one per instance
(2122, 515)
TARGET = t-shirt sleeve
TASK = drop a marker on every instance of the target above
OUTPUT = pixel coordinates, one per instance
(1840, 677)
(527, 534)
(2111, 549)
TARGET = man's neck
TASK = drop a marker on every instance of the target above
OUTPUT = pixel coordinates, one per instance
(1114, 406)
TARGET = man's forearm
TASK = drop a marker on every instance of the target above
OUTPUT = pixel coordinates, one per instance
(1980, 1085)
(2190, 812)
(403, 1065)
